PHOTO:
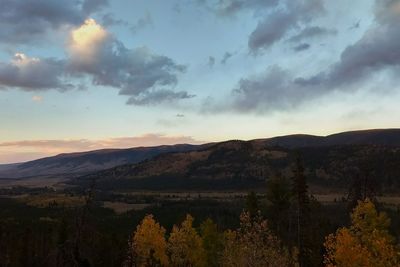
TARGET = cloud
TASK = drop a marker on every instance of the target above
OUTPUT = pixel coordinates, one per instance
(226, 57)
(355, 25)
(137, 73)
(32, 149)
(278, 22)
(29, 73)
(270, 30)
(157, 97)
(211, 61)
(270, 90)
(37, 98)
(377, 50)
(91, 6)
(232, 7)
(24, 21)
(278, 89)
(277, 17)
(86, 43)
(109, 19)
(301, 47)
(140, 74)
(312, 32)
(141, 23)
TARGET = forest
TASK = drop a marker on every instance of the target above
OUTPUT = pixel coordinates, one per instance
(284, 226)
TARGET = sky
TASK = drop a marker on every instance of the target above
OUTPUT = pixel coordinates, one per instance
(80, 75)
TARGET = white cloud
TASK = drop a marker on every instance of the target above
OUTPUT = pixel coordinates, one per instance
(86, 42)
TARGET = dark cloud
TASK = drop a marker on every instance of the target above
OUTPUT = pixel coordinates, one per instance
(33, 74)
(377, 50)
(277, 17)
(91, 6)
(109, 19)
(226, 57)
(24, 21)
(157, 97)
(301, 47)
(270, 90)
(232, 7)
(311, 32)
(145, 77)
(279, 21)
(270, 30)
(277, 89)
(136, 72)
(211, 61)
(355, 25)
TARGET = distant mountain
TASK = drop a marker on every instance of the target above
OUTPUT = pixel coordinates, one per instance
(330, 162)
(85, 162)
(73, 164)
(387, 137)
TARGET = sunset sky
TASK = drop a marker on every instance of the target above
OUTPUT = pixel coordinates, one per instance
(90, 74)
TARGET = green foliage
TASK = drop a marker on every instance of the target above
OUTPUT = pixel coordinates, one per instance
(212, 242)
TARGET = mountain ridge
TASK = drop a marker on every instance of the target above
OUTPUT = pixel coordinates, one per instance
(102, 159)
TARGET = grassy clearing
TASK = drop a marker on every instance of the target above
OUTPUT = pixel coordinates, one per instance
(46, 200)
(122, 207)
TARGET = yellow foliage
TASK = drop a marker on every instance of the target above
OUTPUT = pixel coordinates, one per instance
(254, 245)
(367, 243)
(149, 243)
(185, 246)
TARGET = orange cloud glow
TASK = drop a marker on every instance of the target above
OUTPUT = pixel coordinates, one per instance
(24, 150)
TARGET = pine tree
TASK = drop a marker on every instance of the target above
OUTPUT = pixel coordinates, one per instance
(279, 195)
(252, 203)
(301, 204)
(212, 242)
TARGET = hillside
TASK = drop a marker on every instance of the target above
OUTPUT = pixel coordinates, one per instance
(387, 137)
(240, 165)
(85, 162)
(82, 163)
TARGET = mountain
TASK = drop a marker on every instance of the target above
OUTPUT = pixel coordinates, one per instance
(331, 162)
(85, 162)
(387, 137)
(78, 164)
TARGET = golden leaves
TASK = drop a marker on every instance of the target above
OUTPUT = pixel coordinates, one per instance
(365, 243)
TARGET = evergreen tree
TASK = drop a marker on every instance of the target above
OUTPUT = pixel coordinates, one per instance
(212, 242)
(301, 205)
(252, 204)
(279, 195)
(364, 184)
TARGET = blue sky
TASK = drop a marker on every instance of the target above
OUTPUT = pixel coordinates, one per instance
(89, 74)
